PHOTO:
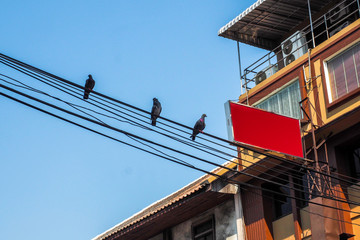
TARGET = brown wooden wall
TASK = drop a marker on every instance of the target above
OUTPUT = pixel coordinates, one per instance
(256, 227)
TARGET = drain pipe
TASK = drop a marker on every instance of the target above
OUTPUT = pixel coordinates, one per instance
(311, 24)
(239, 215)
(238, 49)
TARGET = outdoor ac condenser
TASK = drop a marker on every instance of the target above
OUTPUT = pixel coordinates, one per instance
(338, 13)
(294, 47)
(265, 73)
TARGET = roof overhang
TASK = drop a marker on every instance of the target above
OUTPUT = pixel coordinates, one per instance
(267, 22)
(172, 215)
(202, 194)
(338, 125)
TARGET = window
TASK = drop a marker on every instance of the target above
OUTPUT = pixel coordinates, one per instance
(355, 161)
(167, 234)
(285, 102)
(204, 230)
(343, 73)
(281, 201)
(349, 156)
(301, 188)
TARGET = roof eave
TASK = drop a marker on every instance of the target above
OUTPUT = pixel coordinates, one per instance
(250, 40)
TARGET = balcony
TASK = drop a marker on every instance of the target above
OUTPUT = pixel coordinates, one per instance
(327, 24)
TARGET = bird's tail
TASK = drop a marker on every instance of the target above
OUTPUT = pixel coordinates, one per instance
(86, 95)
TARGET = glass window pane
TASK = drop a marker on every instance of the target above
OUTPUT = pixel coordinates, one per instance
(263, 105)
(295, 98)
(332, 81)
(274, 104)
(204, 231)
(285, 102)
(357, 63)
(344, 72)
(350, 71)
(339, 77)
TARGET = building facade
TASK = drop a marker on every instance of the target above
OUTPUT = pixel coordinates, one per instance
(311, 73)
(205, 209)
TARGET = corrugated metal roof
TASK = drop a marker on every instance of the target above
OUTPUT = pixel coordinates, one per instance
(265, 23)
(177, 197)
(155, 207)
(239, 17)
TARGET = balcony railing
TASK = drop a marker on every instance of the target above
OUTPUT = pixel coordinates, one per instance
(323, 28)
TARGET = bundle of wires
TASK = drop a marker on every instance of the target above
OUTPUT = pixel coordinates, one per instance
(108, 117)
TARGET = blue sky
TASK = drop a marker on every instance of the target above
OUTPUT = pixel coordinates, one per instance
(61, 182)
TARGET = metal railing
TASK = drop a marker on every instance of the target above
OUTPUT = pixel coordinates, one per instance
(323, 28)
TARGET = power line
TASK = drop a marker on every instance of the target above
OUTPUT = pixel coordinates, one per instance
(276, 157)
(71, 104)
(68, 93)
(188, 144)
(121, 102)
(231, 181)
(94, 96)
(68, 82)
(165, 147)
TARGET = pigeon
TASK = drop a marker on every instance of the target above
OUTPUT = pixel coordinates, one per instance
(155, 111)
(199, 126)
(89, 85)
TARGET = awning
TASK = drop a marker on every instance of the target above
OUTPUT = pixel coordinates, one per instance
(265, 23)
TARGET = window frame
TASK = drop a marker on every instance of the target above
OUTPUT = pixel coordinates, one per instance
(199, 223)
(330, 103)
(279, 90)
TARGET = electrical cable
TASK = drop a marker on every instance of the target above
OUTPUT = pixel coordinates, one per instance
(71, 104)
(57, 79)
(163, 146)
(175, 139)
(25, 73)
(195, 168)
(291, 162)
(225, 140)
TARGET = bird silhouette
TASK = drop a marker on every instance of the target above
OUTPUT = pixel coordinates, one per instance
(89, 85)
(155, 111)
(199, 126)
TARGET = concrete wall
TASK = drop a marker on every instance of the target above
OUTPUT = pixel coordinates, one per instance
(225, 223)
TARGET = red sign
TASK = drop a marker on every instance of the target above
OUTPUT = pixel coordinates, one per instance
(263, 129)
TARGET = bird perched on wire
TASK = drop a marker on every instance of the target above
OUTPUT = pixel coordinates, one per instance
(199, 126)
(89, 85)
(155, 111)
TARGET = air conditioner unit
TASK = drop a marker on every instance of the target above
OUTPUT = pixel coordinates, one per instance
(339, 28)
(294, 47)
(265, 73)
(338, 13)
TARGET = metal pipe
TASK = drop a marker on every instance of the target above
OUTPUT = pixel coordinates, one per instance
(239, 214)
(311, 25)
(295, 211)
(309, 62)
(326, 26)
(238, 49)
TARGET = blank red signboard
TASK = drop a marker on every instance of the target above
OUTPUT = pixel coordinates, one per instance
(264, 129)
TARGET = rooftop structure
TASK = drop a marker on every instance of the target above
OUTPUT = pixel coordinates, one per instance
(288, 30)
